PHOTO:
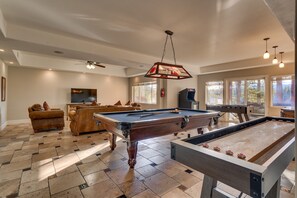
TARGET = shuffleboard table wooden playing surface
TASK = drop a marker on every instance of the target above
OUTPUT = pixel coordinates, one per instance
(250, 156)
(134, 126)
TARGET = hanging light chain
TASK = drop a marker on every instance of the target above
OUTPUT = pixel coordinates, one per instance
(173, 49)
(164, 50)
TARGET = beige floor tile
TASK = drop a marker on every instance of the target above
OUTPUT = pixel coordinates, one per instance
(92, 167)
(5, 158)
(33, 186)
(59, 184)
(186, 179)
(41, 163)
(117, 164)
(286, 195)
(147, 171)
(70, 193)
(171, 168)
(25, 152)
(43, 193)
(70, 169)
(39, 174)
(9, 187)
(195, 190)
(124, 174)
(66, 161)
(110, 156)
(158, 159)
(15, 166)
(148, 153)
(4, 153)
(96, 178)
(12, 146)
(6, 176)
(91, 158)
(176, 193)
(146, 194)
(142, 161)
(21, 158)
(132, 188)
(43, 156)
(161, 183)
(105, 189)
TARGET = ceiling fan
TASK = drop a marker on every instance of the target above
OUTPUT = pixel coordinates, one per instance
(92, 64)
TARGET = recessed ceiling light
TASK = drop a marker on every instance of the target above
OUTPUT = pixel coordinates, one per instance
(58, 52)
(10, 62)
(50, 69)
(2, 50)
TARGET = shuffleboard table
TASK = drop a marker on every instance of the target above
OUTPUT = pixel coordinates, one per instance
(240, 110)
(134, 126)
(250, 156)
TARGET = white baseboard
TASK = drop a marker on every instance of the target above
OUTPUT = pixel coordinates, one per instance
(3, 125)
(9, 122)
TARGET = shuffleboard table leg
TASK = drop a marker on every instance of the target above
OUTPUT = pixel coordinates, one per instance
(132, 152)
(200, 130)
(240, 117)
(112, 140)
(208, 185)
(275, 190)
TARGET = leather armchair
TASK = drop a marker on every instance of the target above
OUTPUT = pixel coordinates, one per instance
(46, 120)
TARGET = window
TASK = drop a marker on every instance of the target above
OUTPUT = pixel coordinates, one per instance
(145, 93)
(283, 91)
(214, 93)
(250, 91)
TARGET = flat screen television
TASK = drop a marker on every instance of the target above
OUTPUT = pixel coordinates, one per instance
(83, 95)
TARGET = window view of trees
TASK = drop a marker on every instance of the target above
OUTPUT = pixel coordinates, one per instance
(145, 93)
(283, 91)
(237, 89)
(214, 93)
(248, 92)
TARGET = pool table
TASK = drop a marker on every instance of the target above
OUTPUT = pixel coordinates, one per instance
(250, 156)
(134, 126)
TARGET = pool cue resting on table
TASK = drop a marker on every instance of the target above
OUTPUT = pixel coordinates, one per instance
(146, 114)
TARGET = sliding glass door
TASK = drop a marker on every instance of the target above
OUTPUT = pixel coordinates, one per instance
(249, 92)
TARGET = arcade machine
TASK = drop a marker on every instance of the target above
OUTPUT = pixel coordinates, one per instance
(186, 99)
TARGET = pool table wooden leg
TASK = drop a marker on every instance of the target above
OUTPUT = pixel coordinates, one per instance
(112, 140)
(132, 152)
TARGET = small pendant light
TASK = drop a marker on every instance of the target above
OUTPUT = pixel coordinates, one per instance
(274, 61)
(266, 55)
(281, 64)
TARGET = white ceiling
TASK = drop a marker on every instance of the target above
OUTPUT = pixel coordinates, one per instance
(127, 35)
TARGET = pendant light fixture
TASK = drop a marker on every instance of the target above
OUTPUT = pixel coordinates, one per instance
(167, 70)
(266, 55)
(281, 64)
(274, 61)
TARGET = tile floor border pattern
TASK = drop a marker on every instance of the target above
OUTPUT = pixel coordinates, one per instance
(57, 164)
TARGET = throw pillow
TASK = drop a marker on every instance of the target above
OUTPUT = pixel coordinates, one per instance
(128, 103)
(36, 107)
(45, 106)
(94, 103)
(118, 103)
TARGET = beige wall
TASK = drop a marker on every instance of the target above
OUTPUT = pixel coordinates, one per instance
(29, 86)
(172, 87)
(263, 71)
(3, 104)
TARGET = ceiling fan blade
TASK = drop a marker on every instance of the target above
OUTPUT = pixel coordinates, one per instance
(98, 65)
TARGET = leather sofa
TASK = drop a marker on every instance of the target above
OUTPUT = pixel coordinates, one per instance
(82, 118)
(46, 120)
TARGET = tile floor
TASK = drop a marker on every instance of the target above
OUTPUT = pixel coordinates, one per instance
(57, 164)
